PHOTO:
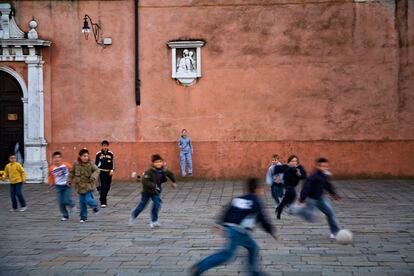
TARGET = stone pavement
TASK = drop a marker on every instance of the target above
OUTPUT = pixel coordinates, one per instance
(36, 242)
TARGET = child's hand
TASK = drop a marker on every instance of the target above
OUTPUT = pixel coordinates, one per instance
(174, 185)
(277, 179)
(111, 172)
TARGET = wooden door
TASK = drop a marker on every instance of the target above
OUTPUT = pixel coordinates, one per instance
(11, 117)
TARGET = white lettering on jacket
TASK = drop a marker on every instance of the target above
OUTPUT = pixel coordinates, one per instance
(242, 203)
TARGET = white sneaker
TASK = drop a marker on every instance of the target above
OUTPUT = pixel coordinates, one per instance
(13, 210)
(63, 219)
(103, 206)
(332, 236)
(82, 221)
(131, 220)
(23, 209)
(155, 224)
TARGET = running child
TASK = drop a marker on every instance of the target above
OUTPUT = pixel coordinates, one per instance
(152, 181)
(293, 172)
(84, 173)
(276, 181)
(312, 195)
(238, 221)
(58, 175)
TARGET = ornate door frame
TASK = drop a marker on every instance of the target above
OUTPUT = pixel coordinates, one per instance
(16, 48)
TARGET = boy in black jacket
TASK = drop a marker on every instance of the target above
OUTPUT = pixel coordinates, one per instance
(238, 221)
(151, 189)
(105, 161)
(312, 192)
(293, 172)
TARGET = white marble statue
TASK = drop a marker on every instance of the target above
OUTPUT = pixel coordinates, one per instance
(187, 62)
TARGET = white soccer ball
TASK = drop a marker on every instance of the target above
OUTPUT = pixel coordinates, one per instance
(344, 236)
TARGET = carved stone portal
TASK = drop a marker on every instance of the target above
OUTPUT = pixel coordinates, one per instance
(186, 61)
(14, 47)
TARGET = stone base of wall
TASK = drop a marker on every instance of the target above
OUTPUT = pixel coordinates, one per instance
(242, 159)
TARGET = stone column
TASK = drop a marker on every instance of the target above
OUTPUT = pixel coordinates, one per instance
(35, 143)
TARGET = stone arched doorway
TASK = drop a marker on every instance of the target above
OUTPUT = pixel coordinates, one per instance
(27, 115)
(11, 118)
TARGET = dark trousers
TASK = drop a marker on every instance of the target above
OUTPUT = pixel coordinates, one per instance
(277, 191)
(289, 198)
(105, 180)
(16, 191)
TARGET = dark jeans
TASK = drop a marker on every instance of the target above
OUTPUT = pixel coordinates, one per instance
(64, 199)
(234, 240)
(277, 191)
(84, 201)
(324, 205)
(289, 198)
(156, 205)
(16, 191)
(105, 180)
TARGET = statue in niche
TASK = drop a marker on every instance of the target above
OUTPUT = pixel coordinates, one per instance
(187, 62)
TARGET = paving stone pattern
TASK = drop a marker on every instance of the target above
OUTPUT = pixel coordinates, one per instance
(379, 212)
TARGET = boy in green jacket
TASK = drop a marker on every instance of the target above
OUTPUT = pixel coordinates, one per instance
(84, 173)
(151, 189)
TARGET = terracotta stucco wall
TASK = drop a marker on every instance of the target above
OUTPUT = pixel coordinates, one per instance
(89, 89)
(307, 77)
(319, 71)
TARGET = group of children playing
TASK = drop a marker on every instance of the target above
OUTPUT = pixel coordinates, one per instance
(237, 220)
(284, 178)
(83, 176)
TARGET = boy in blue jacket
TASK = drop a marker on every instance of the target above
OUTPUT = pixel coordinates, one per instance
(238, 222)
(313, 194)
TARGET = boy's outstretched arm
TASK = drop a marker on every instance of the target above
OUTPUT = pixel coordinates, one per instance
(95, 172)
(264, 221)
(172, 177)
(303, 174)
(331, 190)
(277, 169)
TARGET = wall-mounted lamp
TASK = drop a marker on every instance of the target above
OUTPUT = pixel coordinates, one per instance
(95, 28)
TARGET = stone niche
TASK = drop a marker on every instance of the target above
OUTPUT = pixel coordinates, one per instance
(186, 61)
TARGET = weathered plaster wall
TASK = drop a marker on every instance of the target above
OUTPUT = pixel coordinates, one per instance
(89, 89)
(313, 78)
(276, 72)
